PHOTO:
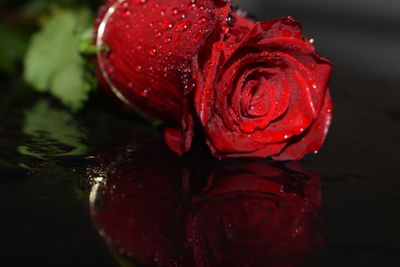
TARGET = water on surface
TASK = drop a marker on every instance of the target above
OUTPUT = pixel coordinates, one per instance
(58, 169)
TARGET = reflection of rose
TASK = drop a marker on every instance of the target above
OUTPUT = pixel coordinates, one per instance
(253, 214)
(136, 206)
(245, 213)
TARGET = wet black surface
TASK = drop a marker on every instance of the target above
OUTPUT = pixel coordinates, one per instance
(45, 155)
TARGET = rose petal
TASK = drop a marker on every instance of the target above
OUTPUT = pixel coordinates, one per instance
(272, 68)
(313, 139)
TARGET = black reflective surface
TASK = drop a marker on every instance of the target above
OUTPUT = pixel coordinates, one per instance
(50, 160)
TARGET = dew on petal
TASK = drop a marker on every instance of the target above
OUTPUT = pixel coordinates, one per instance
(158, 34)
(167, 24)
(230, 20)
(202, 20)
(138, 2)
(126, 14)
(184, 25)
(153, 52)
(225, 29)
(183, 15)
(174, 11)
(145, 92)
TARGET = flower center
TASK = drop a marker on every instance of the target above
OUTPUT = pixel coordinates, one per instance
(256, 102)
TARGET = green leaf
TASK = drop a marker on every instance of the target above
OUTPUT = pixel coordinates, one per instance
(12, 47)
(53, 62)
(54, 132)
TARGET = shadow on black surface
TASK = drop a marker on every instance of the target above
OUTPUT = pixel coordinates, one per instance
(152, 207)
(46, 217)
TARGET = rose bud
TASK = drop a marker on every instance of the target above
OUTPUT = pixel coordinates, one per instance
(261, 91)
(144, 51)
(151, 211)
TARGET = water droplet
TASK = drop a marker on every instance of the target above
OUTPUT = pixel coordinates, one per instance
(162, 12)
(286, 136)
(174, 11)
(140, 1)
(219, 46)
(202, 20)
(153, 52)
(184, 25)
(230, 20)
(314, 86)
(144, 93)
(138, 68)
(225, 29)
(167, 24)
(167, 40)
(192, 6)
(158, 34)
(126, 14)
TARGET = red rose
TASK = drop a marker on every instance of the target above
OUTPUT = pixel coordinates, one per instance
(243, 213)
(150, 46)
(261, 91)
(256, 89)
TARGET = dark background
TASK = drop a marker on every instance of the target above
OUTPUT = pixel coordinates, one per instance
(359, 36)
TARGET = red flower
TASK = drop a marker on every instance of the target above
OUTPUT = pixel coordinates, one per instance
(261, 91)
(256, 89)
(239, 213)
(150, 44)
